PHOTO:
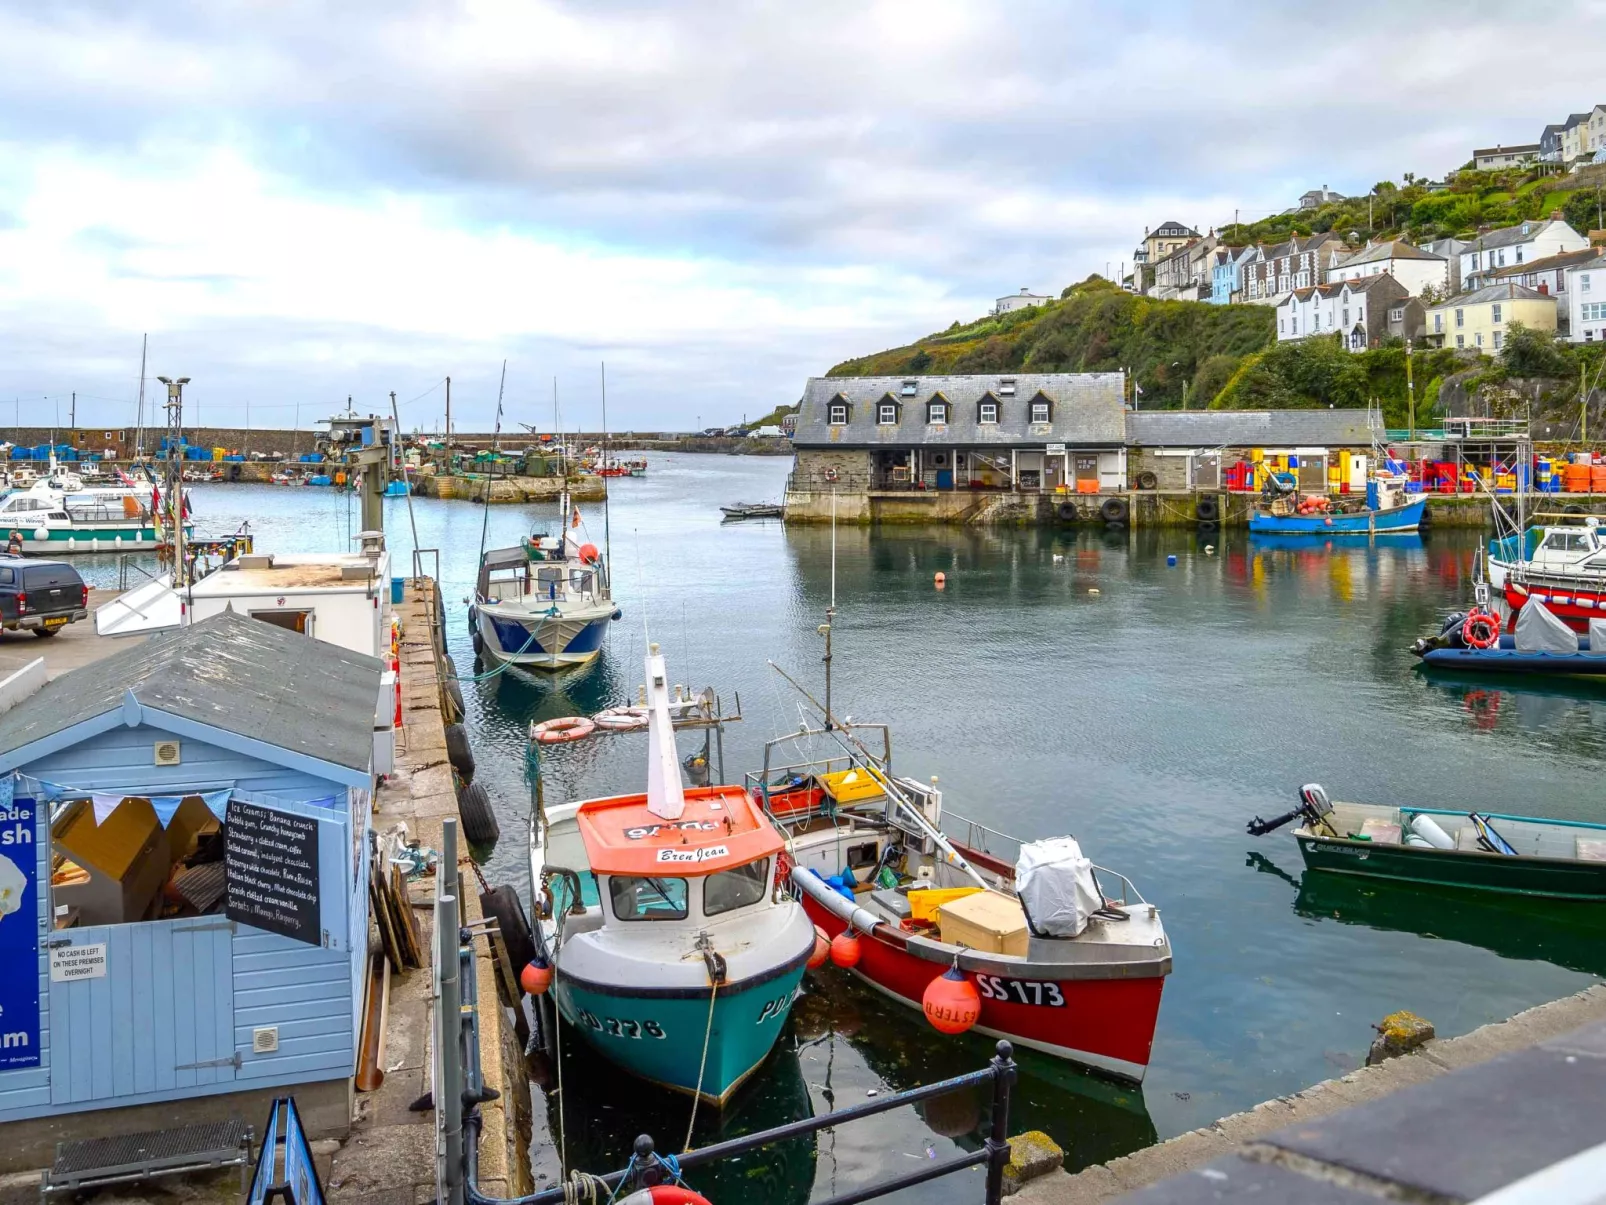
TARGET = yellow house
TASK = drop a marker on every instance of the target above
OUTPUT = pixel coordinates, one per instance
(1480, 319)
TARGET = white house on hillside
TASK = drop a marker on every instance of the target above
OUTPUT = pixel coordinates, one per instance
(1586, 301)
(1520, 244)
(1357, 310)
(1411, 266)
(1019, 301)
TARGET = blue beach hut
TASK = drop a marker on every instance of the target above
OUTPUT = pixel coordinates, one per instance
(183, 885)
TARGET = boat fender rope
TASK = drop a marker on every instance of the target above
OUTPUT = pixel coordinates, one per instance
(702, 1067)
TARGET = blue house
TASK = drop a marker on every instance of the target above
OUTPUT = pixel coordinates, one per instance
(184, 879)
(1226, 272)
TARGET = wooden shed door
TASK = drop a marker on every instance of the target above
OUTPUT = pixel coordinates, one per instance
(156, 1015)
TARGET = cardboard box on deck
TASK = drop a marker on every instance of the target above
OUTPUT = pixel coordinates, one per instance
(987, 921)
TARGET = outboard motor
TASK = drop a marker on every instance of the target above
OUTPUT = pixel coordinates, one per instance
(1314, 806)
(1449, 635)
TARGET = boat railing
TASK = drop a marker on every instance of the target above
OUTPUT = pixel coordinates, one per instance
(977, 836)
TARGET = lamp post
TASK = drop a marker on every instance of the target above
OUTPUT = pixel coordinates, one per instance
(175, 475)
(1410, 394)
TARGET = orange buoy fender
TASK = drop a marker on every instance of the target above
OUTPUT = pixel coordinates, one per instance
(588, 553)
(1480, 630)
(941, 580)
(951, 1002)
(665, 1194)
(845, 949)
(562, 730)
(821, 951)
(536, 977)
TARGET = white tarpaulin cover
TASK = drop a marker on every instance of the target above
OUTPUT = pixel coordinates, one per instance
(1597, 637)
(1055, 883)
(1538, 631)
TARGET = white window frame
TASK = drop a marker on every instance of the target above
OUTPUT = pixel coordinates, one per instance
(837, 408)
(937, 414)
(982, 413)
(886, 414)
(1044, 407)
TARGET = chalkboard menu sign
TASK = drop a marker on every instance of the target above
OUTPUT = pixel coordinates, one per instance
(271, 861)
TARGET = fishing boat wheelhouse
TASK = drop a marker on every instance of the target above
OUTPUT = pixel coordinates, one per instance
(676, 950)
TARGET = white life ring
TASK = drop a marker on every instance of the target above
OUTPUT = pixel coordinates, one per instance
(621, 719)
(829, 474)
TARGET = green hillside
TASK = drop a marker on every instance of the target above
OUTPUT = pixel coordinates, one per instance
(1094, 327)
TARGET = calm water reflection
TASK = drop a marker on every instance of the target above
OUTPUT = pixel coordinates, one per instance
(1061, 682)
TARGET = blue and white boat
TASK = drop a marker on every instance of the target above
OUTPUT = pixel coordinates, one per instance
(1386, 510)
(545, 604)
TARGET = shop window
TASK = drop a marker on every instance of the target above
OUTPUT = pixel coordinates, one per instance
(647, 898)
(736, 888)
(130, 868)
(298, 621)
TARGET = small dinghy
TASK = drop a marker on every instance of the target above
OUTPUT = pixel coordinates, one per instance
(675, 948)
(1519, 855)
(752, 510)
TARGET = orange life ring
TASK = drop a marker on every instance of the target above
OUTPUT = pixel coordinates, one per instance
(1480, 630)
(829, 474)
(783, 872)
(562, 731)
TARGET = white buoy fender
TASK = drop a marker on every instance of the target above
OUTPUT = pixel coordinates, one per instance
(1428, 829)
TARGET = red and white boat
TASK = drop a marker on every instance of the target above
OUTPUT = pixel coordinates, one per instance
(1563, 567)
(1067, 958)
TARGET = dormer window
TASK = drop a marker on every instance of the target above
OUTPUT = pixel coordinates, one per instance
(887, 414)
(987, 412)
(837, 414)
(1006, 388)
(910, 388)
(937, 411)
(1042, 408)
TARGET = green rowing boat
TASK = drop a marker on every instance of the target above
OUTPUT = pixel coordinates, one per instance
(1515, 855)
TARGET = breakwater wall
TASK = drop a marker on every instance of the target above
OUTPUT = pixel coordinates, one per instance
(286, 442)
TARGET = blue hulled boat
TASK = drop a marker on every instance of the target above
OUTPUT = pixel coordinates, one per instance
(1386, 510)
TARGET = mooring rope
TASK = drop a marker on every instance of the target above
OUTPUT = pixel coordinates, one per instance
(697, 1096)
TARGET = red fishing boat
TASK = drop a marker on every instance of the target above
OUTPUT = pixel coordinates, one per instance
(1039, 945)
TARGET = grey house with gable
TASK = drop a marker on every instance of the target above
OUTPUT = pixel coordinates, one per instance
(1021, 432)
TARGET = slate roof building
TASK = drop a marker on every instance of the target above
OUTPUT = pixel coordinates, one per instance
(189, 818)
(1197, 449)
(1007, 432)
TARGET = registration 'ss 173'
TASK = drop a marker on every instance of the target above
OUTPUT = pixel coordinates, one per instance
(1020, 991)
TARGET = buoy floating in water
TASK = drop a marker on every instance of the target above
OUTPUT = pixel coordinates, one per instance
(845, 949)
(941, 579)
(1210, 550)
(1172, 559)
(951, 1002)
(1092, 589)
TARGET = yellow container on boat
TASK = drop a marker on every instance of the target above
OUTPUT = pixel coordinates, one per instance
(923, 904)
(850, 786)
(986, 920)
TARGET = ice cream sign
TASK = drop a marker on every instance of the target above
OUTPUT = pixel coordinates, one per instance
(19, 932)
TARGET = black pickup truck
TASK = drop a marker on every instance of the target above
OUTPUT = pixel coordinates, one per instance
(41, 597)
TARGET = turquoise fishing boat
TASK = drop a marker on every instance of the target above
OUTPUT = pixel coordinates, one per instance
(675, 947)
(1385, 510)
(1482, 851)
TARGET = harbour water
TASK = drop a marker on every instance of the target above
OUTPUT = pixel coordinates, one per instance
(1059, 683)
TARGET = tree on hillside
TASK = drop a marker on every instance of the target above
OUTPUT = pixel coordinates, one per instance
(1533, 353)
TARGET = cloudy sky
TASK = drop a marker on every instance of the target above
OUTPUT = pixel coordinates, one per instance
(303, 201)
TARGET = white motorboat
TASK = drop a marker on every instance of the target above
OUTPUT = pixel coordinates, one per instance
(545, 604)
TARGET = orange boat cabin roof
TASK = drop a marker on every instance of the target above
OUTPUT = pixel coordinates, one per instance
(721, 827)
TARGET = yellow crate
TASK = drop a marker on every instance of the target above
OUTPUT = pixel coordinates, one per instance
(923, 904)
(850, 786)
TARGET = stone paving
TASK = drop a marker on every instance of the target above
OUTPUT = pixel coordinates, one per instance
(1450, 1122)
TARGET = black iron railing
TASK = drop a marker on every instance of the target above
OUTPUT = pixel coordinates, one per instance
(647, 1169)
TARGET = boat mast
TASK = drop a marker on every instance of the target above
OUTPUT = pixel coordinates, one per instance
(139, 406)
(666, 798)
(607, 530)
(830, 618)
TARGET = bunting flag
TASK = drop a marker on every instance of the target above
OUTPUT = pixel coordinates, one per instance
(165, 806)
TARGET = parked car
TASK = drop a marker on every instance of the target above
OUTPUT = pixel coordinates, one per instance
(41, 597)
